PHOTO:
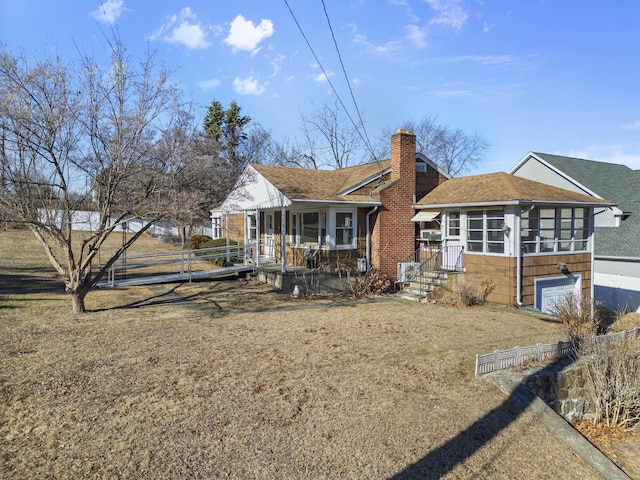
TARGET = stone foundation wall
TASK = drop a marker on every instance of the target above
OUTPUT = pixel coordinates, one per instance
(562, 387)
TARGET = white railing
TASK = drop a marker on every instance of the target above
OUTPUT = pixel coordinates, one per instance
(503, 359)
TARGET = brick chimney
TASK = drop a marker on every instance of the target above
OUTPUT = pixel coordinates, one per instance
(394, 234)
(403, 159)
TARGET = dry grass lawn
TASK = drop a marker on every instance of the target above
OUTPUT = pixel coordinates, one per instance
(230, 379)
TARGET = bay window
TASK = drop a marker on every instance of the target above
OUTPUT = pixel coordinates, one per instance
(333, 229)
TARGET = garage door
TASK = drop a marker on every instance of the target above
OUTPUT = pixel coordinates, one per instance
(549, 292)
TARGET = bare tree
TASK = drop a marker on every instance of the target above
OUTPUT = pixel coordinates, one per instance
(329, 139)
(66, 127)
(453, 150)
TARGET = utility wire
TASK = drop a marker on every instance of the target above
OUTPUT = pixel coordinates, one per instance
(364, 140)
(346, 77)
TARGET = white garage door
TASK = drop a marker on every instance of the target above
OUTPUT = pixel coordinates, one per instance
(549, 292)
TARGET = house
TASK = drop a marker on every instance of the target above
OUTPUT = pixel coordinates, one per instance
(349, 219)
(532, 240)
(617, 229)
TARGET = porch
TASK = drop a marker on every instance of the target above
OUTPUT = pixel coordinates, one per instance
(308, 280)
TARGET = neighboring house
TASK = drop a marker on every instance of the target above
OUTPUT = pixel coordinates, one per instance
(617, 229)
(532, 240)
(352, 218)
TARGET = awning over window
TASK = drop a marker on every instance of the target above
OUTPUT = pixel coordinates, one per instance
(425, 215)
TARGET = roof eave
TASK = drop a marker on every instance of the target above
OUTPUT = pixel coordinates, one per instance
(372, 203)
(498, 203)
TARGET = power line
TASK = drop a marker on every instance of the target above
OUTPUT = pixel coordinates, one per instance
(346, 77)
(364, 140)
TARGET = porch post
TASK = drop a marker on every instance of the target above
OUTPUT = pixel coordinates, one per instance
(283, 239)
(246, 238)
(227, 235)
(258, 234)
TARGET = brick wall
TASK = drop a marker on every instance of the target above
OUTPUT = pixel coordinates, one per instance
(393, 235)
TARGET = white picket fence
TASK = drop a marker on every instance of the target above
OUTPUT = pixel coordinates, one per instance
(503, 359)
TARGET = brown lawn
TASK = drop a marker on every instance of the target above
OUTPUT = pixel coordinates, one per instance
(231, 379)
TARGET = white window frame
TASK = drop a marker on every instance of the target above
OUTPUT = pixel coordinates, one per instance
(327, 229)
(453, 225)
(345, 228)
(216, 226)
(486, 222)
(553, 230)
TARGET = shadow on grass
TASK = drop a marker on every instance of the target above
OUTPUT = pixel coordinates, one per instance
(30, 280)
(447, 456)
(244, 300)
(443, 459)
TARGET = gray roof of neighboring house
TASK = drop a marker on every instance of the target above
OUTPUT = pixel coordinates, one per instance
(615, 182)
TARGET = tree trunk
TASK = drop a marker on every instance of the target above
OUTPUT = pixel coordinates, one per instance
(77, 299)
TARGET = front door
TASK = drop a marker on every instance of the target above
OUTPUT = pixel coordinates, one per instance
(452, 246)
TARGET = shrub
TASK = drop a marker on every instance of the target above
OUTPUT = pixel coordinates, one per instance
(612, 371)
(219, 242)
(580, 316)
(370, 283)
(196, 241)
(475, 293)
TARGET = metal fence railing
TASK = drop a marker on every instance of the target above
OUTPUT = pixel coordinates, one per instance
(182, 262)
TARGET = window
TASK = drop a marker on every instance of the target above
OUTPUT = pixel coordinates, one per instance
(453, 226)
(549, 230)
(268, 228)
(216, 227)
(484, 231)
(529, 230)
(326, 229)
(252, 227)
(495, 233)
(475, 231)
(344, 228)
(309, 227)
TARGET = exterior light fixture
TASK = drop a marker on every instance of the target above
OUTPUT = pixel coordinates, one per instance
(562, 266)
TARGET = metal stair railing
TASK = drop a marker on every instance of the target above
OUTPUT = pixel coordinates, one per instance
(424, 262)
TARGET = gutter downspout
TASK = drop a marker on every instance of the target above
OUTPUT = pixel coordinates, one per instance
(368, 239)
(518, 238)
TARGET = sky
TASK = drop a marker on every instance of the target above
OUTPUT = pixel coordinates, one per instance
(558, 77)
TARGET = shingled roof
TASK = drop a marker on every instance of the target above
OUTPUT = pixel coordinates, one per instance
(300, 184)
(501, 189)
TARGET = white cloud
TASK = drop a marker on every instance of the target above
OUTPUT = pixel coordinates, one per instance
(208, 84)
(244, 35)
(632, 126)
(109, 11)
(450, 13)
(416, 36)
(322, 77)
(486, 28)
(386, 49)
(248, 86)
(483, 59)
(183, 29)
